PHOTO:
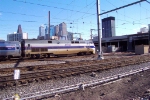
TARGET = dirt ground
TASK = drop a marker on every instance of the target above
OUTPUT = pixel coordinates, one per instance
(128, 88)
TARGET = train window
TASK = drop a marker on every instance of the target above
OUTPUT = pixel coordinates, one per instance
(72, 41)
(17, 47)
(28, 45)
(76, 41)
(49, 41)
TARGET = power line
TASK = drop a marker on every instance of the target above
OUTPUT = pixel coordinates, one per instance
(118, 12)
(82, 9)
(87, 11)
(46, 6)
(66, 6)
(124, 14)
(122, 7)
(49, 6)
(21, 14)
(110, 3)
(147, 1)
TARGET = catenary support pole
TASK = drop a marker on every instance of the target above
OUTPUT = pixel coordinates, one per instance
(100, 56)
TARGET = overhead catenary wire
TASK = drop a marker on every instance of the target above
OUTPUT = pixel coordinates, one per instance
(125, 14)
(87, 11)
(122, 7)
(54, 18)
(66, 6)
(81, 18)
(20, 14)
(49, 6)
(147, 1)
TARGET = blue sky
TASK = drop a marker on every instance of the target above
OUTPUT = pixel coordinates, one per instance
(81, 13)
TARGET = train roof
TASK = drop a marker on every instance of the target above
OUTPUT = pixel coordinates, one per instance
(55, 41)
(13, 42)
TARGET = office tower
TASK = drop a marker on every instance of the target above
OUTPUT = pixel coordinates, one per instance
(108, 27)
(41, 31)
(46, 33)
(56, 30)
(52, 33)
(62, 29)
(16, 36)
(19, 29)
(46, 30)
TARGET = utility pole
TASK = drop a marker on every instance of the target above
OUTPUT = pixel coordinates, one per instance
(100, 56)
(48, 25)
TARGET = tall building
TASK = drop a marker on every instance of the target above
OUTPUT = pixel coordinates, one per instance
(62, 29)
(41, 31)
(108, 27)
(19, 30)
(52, 33)
(46, 30)
(17, 36)
(56, 30)
(46, 33)
(52, 29)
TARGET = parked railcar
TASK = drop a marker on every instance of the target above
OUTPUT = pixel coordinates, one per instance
(37, 48)
(10, 49)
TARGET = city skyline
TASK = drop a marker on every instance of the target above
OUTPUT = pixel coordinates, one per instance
(80, 17)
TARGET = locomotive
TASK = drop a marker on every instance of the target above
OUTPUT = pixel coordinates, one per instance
(33, 48)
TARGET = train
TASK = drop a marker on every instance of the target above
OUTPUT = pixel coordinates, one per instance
(33, 48)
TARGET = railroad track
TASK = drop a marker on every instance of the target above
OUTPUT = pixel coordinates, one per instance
(6, 71)
(43, 75)
(15, 60)
(67, 64)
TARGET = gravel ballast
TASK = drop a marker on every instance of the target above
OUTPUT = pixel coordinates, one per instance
(34, 88)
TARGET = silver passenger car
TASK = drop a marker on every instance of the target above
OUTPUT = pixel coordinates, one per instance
(10, 49)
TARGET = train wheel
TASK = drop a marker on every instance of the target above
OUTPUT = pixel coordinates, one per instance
(38, 56)
(32, 57)
(48, 55)
(9, 57)
(80, 54)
